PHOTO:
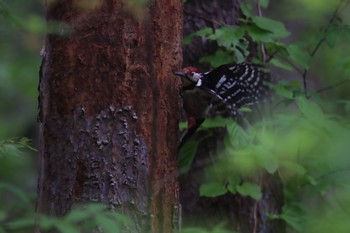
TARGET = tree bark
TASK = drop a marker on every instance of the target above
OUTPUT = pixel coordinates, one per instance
(199, 14)
(242, 214)
(109, 110)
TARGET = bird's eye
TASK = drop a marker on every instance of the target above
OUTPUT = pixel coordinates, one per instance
(191, 74)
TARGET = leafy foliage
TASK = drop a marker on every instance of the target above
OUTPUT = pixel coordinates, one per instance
(20, 217)
(220, 228)
(81, 219)
(13, 147)
(305, 140)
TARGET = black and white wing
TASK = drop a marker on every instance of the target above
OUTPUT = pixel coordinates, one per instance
(237, 85)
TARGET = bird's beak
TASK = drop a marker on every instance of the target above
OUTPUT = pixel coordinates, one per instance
(181, 74)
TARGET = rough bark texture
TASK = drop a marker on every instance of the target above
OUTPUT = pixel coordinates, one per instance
(242, 214)
(109, 107)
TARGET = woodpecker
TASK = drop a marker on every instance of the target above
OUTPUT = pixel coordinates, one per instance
(225, 89)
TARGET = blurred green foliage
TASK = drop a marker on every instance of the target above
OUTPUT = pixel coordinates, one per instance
(21, 38)
(220, 228)
(88, 218)
(20, 45)
(306, 140)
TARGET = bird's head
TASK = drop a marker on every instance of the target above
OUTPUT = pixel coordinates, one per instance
(191, 74)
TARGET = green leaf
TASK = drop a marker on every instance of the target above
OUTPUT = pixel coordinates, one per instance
(233, 181)
(21, 223)
(246, 9)
(121, 218)
(266, 160)
(10, 149)
(332, 36)
(245, 109)
(299, 55)
(289, 89)
(310, 110)
(183, 125)
(77, 215)
(258, 34)
(276, 27)
(35, 24)
(217, 228)
(67, 227)
(278, 63)
(237, 136)
(13, 147)
(293, 167)
(25, 143)
(292, 214)
(220, 228)
(215, 123)
(264, 3)
(3, 215)
(282, 90)
(232, 188)
(203, 32)
(46, 222)
(241, 51)
(194, 230)
(244, 160)
(93, 208)
(218, 58)
(249, 189)
(276, 46)
(311, 180)
(228, 36)
(187, 154)
(212, 189)
(345, 64)
(346, 104)
(187, 40)
(108, 225)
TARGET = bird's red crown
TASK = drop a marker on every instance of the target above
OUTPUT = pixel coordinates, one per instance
(190, 69)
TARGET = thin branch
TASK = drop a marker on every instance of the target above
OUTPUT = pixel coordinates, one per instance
(346, 169)
(324, 89)
(332, 86)
(292, 64)
(318, 45)
(262, 47)
(272, 56)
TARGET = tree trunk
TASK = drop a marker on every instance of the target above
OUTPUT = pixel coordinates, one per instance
(242, 214)
(109, 109)
(199, 14)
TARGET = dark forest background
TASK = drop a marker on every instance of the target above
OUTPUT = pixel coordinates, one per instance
(317, 183)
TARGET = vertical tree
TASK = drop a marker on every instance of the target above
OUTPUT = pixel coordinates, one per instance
(109, 109)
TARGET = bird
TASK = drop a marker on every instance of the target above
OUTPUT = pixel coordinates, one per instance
(226, 89)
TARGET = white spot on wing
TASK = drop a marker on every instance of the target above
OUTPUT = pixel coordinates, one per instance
(229, 85)
(222, 80)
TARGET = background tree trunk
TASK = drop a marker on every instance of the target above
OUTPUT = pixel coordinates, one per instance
(109, 107)
(199, 14)
(242, 214)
